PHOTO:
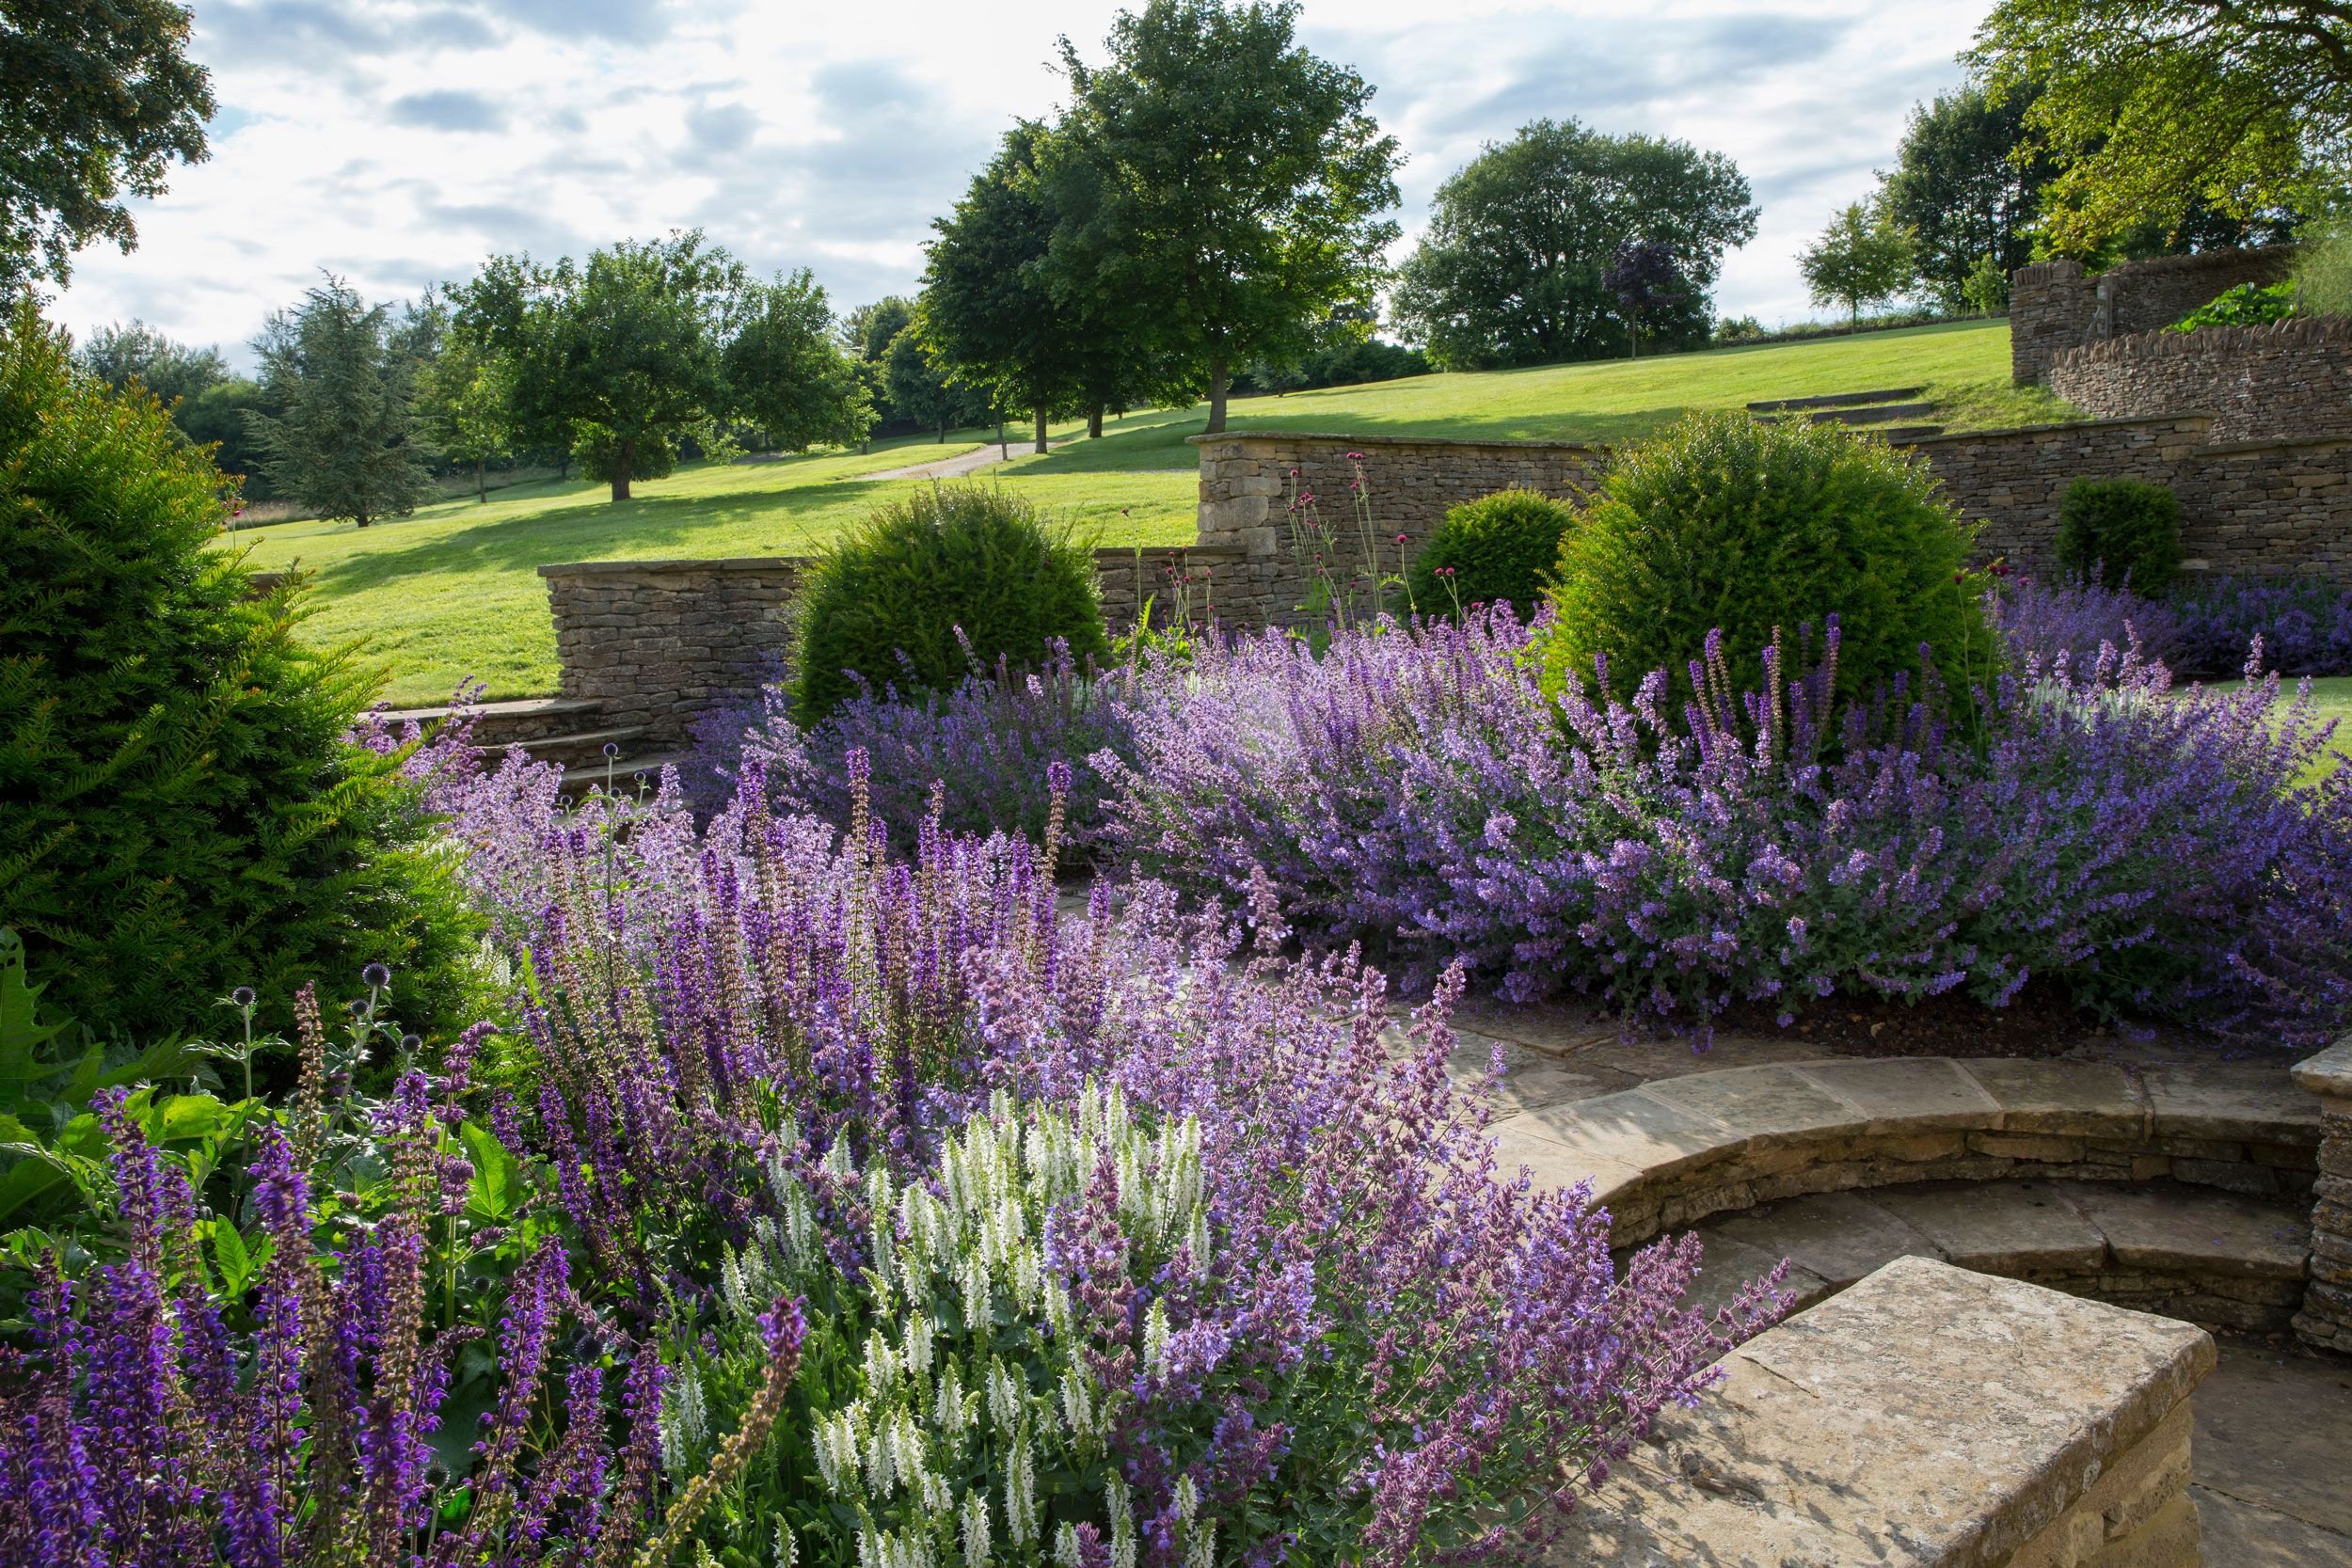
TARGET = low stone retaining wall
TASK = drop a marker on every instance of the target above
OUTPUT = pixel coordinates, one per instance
(1928, 1417)
(2325, 1320)
(2289, 379)
(654, 642)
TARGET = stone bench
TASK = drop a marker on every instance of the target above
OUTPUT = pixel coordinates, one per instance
(1928, 1417)
(1677, 1149)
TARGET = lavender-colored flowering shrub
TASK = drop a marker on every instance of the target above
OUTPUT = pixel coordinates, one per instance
(985, 745)
(2144, 849)
(1072, 1198)
(2205, 629)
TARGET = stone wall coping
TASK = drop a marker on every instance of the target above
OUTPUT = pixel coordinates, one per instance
(658, 568)
(1954, 437)
(1390, 440)
(2261, 445)
(1677, 1149)
(2162, 342)
(1928, 1417)
(2329, 1075)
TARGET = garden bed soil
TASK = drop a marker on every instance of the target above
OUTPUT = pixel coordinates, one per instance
(2037, 1023)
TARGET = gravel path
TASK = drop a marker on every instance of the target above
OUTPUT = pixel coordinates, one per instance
(957, 467)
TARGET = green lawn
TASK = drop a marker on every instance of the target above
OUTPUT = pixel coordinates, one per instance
(453, 590)
(2332, 696)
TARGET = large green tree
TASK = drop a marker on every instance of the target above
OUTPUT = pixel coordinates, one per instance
(340, 437)
(997, 312)
(1863, 256)
(784, 371)
(652, 342)
(2156, 108)
(207, 403)
(467, 404)
(1967, 187)
(1217, 171)
(98, 98)
(1510, 271)
(921, 391)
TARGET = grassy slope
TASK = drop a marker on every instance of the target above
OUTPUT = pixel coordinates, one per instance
(453, 590)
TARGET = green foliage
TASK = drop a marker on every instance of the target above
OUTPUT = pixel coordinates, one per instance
(210, 406)
(926, 587)
(185, 813)
(339, 440)
(1967, 187)
(2156, 109)
(1510, 271)
(469, 406)
(920, 391)
(1220, 173)
(96, 102)
(1726, 523)
(1861, 257)
(2322, 270)
(785, 374)
(2121, 531)
(1498, 548)
(2248, 304)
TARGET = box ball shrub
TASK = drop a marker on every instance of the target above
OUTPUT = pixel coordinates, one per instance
(921, 589)
(1497, 549)
(2121, 531)
(184, 813)
(1726, 522)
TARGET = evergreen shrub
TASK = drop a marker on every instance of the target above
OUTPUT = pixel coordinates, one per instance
(1497, 549)
(1724, 522)
(186, 813)
(924, 588)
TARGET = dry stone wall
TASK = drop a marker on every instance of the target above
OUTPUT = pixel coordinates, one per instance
(654, 642)
(2325, 1320)
(2054, 305)
(2291, 378)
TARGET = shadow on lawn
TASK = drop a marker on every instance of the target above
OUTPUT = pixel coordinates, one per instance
(632, 530)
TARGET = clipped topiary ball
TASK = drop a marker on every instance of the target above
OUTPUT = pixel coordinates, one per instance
(183, 812)
(1496, 549)
(887, 602)
(1724, 521)
(2122, 533)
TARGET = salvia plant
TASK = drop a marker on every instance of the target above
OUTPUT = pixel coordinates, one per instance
(2142, 849)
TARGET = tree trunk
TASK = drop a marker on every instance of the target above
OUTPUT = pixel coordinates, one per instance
(481, 480)
(623, 460)
(1004, 448)
(361, 519)
(1218, 377)
(563, 467)
(1094, 422)
(1043, 445)
(943, 430)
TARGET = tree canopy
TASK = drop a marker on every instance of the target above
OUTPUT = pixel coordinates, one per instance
(1967, 185)
(1510, 271)
(339, 436)
(1217, 170)
(1860, 258)
(649, 342)
(97, 102)
(2155, 108)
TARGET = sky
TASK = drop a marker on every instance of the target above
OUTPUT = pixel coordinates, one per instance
(398, 142)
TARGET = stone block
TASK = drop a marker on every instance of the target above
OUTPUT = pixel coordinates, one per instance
(1633, 1130)
(1758, 1106)
(2229, 1103)
(1838, 1236)
(2217, 1234)
(2233, 1176)
(1910, 1093)
(2074, 1099)
(2044, 1147)
(1928, 1418)
(2010, 1227)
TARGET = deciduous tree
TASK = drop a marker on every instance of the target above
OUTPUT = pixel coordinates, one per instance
(784, 373)
(1226, 176)
(1510, 272)
(469, 406)
(2156, 107)
(97, 102)
(1967, 185)
(1861, 257)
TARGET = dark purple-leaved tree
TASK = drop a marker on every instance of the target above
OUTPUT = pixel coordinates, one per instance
(1643, 277)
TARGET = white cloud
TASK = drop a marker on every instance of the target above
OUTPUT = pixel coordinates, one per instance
(399, 142)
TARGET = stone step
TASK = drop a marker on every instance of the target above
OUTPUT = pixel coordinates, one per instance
(518, 722)
(1888, 413)
(2194, 1252)
(1834, 400)
(1910, 432)
(585, 748)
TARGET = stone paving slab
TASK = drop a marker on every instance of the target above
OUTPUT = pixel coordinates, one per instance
(2275, 1428)
(1927, 1417)
(1761, 1107)
(1632, 1130)
(1519, 1143)
(2096, 1099)
(2018, 1227)
(1726, 1265)
(2219, 1233)
(1838, 1236)
(2223, 1103)
(1530, 1079)
(1910, 1092)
